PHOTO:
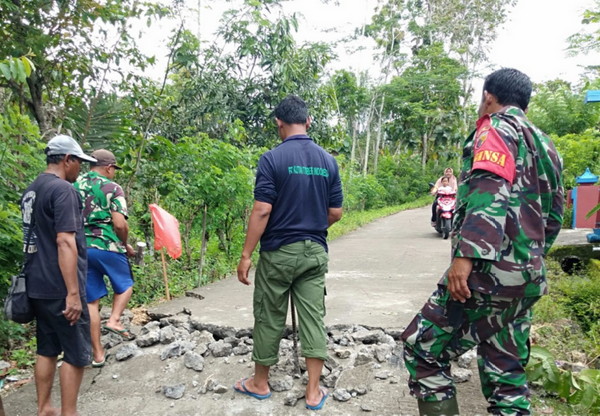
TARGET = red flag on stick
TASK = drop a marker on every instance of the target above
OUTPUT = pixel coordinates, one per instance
(166, 236)
(166, 231)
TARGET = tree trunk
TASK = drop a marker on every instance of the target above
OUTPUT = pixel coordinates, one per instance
(36, 104)
(353, 151)
(378, 140)
(368, 128)
(204, 244)
(424, 150)
(187, 226)
(366, 162)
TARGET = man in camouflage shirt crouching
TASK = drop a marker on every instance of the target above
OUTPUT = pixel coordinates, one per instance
(509, 212)
(106, 232)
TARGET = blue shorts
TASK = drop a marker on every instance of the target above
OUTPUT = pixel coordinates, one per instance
(106, 263)
(55, 334)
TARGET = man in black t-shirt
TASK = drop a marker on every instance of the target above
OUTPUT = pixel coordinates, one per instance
(56, 268)
(298, 195)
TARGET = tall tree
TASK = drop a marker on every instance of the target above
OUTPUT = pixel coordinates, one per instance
(466, 28)
(349, 98)
(73, 45)
(424, 100)
(253, 62)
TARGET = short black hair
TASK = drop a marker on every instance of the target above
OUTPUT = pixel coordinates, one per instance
(54, 159)
(292, 110)
(509, 86)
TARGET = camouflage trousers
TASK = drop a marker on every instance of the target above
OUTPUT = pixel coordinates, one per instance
(445, 329)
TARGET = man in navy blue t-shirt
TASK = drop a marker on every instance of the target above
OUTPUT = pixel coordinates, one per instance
(298, 195)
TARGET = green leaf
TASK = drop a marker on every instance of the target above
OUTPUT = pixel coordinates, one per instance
(593, 211)
(589, 397)
(27, 65)
(14, 69)
(21, 73)
(5, 70)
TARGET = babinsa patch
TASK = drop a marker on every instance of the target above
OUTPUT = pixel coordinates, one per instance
(491, 152)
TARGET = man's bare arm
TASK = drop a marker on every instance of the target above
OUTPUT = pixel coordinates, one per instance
(334, 215)
(122, 230)
(67, 262)
(259, 217)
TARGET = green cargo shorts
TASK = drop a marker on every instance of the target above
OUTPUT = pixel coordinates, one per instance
(300, 268)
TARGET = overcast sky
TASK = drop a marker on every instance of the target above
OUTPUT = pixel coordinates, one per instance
(533, 39)
(539, 29)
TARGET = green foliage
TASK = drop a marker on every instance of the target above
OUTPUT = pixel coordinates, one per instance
(12, 335)
(423, 103)
(24, 357)
(588, 39)
(16, 69)
(21, 159)
(72, 45)
(566, 320)
(363, 192)
(579, 151)
(253, 63)
(582, 298)
(579, 389)
(149, 281)
(557, 110)
(567, 217)
(403, 178)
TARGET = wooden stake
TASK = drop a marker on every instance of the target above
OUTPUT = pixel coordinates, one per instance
(295, 336)
(164, 264)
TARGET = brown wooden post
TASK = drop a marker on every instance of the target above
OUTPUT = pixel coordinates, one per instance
(164, 264)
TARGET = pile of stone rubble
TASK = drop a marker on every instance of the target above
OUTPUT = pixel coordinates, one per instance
(202, 345)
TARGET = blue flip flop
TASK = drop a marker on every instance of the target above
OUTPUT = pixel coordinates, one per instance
(249, 393)
(320, 405)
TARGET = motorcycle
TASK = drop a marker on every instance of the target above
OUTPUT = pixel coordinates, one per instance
(446, 203)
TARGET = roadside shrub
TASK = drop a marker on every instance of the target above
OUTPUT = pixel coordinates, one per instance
(149, 284)
(567, 218)
(582, 298)
(581, 389)
(363, 192)
(21, 159)
(566, 320)
(12, 336)
(579, 151)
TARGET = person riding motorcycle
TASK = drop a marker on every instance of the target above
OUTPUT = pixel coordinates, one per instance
(446, 204)
(452, 182)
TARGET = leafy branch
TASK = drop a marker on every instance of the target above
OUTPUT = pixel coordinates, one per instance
(580, 389)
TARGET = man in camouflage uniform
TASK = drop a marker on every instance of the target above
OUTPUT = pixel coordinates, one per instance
(509, 212)
(106, 231)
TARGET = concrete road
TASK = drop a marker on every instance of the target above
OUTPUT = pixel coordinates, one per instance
(379, 276)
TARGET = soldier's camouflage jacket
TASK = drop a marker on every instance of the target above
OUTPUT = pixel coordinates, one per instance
(101, 197)
(510, 205)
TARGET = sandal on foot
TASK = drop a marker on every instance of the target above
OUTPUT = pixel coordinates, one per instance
(124, 333)
(319, 405)
(247, 392)
(99, 364)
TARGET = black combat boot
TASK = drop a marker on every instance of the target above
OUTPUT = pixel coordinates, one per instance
(447, 407)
